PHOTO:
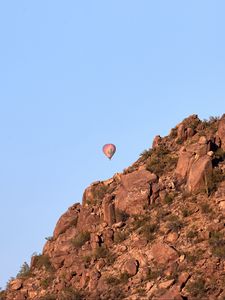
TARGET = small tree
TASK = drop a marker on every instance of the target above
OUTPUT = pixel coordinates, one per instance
(24, 270)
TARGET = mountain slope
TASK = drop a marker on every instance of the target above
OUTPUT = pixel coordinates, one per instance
(155, 231)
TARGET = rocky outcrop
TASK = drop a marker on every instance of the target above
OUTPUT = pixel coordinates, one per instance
(139, 235)
(67, 220)
(199, 177)
(195, 165)
(221, 131)
(134, 191)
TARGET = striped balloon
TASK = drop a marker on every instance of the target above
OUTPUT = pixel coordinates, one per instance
(109, 150)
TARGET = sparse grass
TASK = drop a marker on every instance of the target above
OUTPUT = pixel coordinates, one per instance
(195, 256)
(141, 292)
(71, 294)
(161, 161)
(152, 274)
(146, 154)
(174, 223)
(42, 261)
(197, 288)
(46, 282)
(140, 221)
(120, 236)
(179, 141)
(48, 297)
(217, 177)
(186, 212)
(121, 215)
(121, 279)
(24, 271)
(149, 230)
(169, 199)
(112, 280)
(192, 234)
(217, 243)
(99, 192)
(80, 239)
(103, 252)
(219, 154)
(205, 208)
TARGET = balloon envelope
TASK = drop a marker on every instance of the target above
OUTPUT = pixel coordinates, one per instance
(109, 150)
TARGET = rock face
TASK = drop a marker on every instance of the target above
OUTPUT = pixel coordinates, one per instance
(139, 235)
(134, 191)
(67, 220)
(200, 174)
(195, 165)
(221, 131)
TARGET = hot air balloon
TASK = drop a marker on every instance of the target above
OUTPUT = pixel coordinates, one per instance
(109, 150)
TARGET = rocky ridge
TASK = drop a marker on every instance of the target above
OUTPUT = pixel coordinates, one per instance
(155, 231)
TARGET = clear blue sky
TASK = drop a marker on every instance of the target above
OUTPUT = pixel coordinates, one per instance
(77, 74)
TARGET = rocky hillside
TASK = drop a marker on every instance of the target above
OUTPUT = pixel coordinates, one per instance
(155, 231)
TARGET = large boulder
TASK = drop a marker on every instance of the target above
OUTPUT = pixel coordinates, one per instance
(134, 191)
(163, 254)
(131, 266)
(221, 131)
(200, 173)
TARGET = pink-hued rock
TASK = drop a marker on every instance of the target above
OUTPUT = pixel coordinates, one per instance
(163, 254)
(67, 220)
(200, 174)
(131, 266)
(109, 210)
(16, 284)
(134, 191)
(221, 131)
(183, 163)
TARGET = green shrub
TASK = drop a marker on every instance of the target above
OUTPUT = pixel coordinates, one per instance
(217, 177)
(149, 230)
(120, 236)
(46, 282)
(121, 215)
(197, 288)
(103, 252)
(71, 294)
(179, 141)
(140, 221)
(161, 160)
(124, 277)
(48, 297)
(186, 212)
(80, 239)
(121, 279)
(195, 256)
(217, 243)
(24, 271)
(192, 234)
(146, 154)
(112, 280)
(152, 274)
(205, 208)
(169, 199)
(99, 192)
(219, 154)
(174, 224)
(41, 260)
